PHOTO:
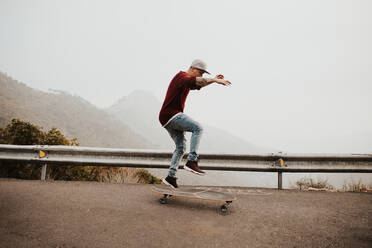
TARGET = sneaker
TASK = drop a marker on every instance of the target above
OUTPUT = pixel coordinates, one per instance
(193, 167)
(171, 181)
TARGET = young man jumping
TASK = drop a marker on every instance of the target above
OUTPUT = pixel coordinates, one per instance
(173, 119)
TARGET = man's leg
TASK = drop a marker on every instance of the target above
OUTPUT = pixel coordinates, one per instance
(184, 123)
(180, 142)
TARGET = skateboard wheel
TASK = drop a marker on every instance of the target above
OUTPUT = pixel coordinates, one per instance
(163, 200)
(223, 209)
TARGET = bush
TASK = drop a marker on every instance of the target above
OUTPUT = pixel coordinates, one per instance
(19, 132)
(146, 177)
(355, 187)
(306, 183)
(24, 133)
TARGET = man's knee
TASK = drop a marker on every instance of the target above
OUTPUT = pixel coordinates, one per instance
(181, 149)
(199, 128)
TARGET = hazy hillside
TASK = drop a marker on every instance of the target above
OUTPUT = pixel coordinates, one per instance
(74, 116)
(140, 111)
(132, 122)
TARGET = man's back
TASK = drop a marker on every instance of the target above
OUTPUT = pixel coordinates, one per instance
(175, 98)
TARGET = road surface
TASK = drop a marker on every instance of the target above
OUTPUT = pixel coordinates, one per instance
(92, 214)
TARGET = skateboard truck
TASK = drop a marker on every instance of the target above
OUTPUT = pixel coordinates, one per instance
(225, 205)
(164, 199)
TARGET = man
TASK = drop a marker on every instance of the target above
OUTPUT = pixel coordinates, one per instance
(173, 119)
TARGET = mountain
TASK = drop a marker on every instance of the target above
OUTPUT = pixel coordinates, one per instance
(132, 122)
(140, 110)
(73, 115)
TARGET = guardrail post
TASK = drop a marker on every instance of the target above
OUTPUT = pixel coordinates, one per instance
(43, 172)
(280, 179)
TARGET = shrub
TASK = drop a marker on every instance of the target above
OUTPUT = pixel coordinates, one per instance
(146, 177)
(24, 133)
(306, 183)
(355, 187)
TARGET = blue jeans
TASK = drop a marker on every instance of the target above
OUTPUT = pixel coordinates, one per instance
(176, 129)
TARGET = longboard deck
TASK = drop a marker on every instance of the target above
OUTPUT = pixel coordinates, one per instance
(194, 192)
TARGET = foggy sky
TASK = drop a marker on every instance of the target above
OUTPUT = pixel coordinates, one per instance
(301, 70)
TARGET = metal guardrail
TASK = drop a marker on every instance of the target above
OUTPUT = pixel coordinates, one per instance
(272, 162)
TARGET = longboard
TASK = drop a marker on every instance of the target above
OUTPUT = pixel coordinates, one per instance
(194, 192)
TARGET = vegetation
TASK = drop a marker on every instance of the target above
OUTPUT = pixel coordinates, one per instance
(309, 183)
(19, 132)
(322, 184)
(356, 187)
(146, 177)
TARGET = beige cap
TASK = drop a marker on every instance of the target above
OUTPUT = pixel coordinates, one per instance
(198, 64)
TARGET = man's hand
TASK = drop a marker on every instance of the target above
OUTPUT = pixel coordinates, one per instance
(223, 82)
(202, 82)
(219, 79)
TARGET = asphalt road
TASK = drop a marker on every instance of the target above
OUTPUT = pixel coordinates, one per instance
(91, 214)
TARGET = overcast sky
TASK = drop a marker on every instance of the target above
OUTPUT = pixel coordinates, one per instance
(301, 70)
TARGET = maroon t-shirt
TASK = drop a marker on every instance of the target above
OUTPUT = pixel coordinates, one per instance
(175, 99)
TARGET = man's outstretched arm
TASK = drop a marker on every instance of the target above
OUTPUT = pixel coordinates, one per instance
(202, 82)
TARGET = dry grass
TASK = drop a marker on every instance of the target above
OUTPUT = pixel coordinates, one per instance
(116, 175)
(311, 184)
(356, 187)
(125, 175)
